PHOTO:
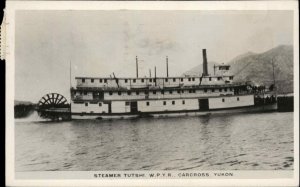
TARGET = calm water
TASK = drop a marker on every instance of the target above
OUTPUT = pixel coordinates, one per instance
(243, 141)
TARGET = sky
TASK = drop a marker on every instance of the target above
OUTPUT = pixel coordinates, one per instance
(99, 43)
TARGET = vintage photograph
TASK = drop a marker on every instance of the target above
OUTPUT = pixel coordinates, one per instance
(154, 90)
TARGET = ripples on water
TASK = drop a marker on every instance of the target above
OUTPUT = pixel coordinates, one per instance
(215, 142)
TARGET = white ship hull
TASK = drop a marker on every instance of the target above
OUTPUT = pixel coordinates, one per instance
(249, 109)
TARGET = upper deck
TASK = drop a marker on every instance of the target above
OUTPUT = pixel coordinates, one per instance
(220, 77)
(144, 82)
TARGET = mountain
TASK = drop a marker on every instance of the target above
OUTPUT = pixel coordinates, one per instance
(198, 70)
(258, 68)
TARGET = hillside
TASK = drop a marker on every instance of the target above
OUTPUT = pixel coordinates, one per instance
(258, 68)
(196, 71)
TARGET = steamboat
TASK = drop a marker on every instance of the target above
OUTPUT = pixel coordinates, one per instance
(112, 97)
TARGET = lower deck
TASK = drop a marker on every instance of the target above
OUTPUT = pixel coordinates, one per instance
(162, 106)
(245, 109)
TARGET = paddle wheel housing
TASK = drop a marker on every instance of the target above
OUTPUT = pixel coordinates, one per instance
(54, 106)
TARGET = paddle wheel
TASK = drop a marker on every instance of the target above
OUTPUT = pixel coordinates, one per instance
(54, 106)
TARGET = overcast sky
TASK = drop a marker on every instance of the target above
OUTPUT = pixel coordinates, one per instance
(98, 43)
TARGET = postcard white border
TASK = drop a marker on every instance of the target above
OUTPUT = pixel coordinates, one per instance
(12, 6)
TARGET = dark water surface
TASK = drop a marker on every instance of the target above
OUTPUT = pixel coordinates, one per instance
(215, 142)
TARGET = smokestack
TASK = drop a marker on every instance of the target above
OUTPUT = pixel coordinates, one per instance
(167, 61)
(205, 69)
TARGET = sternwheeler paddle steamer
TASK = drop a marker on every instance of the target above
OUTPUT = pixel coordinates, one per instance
(112, 97)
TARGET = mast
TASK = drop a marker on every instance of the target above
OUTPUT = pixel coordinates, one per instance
(150, 73)
(155, 75)
(274, 80)
(70, 79)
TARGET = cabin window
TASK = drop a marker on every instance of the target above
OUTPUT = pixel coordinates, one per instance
(154, 80)
(219, 78)
(200, 79)
(174, 80)
(119, 93)
(150, 80)
(237, 98)
(134, 80)
(181, 79)
(182, 91)
(190, 91)
(100, 80)
(142, 80)
(170, 92)
(166, 80)
(193, 79)
(230, 89)
(146, 92)
(189, 79)
(92, 80)
(220, 90)
(154, 92)
(137, 93)
(126, 80)
(205, 90)
(83, 80)
(127, 103)
(105, 80)
(86, 104)
(231, 78)
(183, 102)
(194, 91)
(100, 104)
(225, 89)
(178, 91)
(148, 103)
(223, 100)
(209, 78)
(129, 93)
(110, 93)
(85, 93)
(173, 102)
(162, 92)
(212, 90)
(165, 102)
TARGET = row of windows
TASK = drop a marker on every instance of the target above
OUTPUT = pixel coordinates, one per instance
(163, 92)
(238, 99)
(165, 102)
(154, 80)
(171, 92)
(87, 104)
